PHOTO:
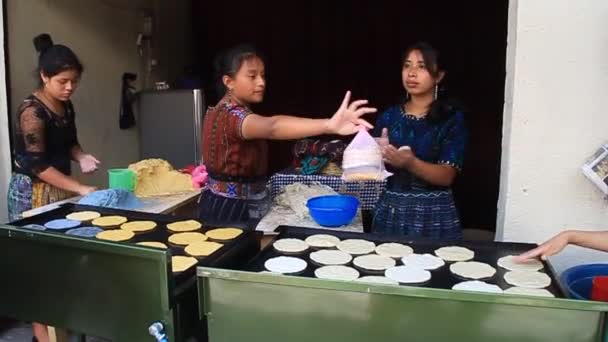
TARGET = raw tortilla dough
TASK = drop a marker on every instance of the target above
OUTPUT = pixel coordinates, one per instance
(408, 274)
(472, 269)
(337, 273)
(455, 253)
(394, 250)
(285, 265)
(356, 246)
(224, 234)
(528, 279)
(528, 265)
(330, 257)
(377, 280)
(374, 262)
(322, 241)
(180, 263)
(115, 235)
(184, 226)
(109, 221)
(139, 226)
(156, 177)
(477, 286)
(153, 244)
(529, 292)
(202, 249)
(424, 261)
(290, 246)
(184, 239)
(83, 216)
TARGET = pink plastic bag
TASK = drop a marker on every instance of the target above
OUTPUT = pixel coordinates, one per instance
(362, 159)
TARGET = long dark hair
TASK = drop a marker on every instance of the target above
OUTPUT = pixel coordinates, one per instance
(54, 58)
(441, 108)
(229, 62)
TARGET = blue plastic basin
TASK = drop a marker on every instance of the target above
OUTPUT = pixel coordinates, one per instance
(333, 210)
(577, 280)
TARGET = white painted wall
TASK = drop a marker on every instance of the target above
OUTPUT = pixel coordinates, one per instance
(5, 152)
(555, 117)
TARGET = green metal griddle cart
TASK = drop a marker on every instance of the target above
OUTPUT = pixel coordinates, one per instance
(242, 304)
(101, 288)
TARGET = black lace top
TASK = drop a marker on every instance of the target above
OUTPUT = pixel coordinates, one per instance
(43, 138)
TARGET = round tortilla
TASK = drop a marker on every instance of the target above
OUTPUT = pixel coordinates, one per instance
(377, 280)
(184, 226)
(322, 241)
(285, 265)
(61, 224)
(424, 261)
(154, 244)
(224, 234)
(337, 273)
(523, 291)
(455, 253)
(356, 246)
(408, 275)
(83, 216)
(84, 231)
(528, 265)
(528, 279)
(373, 262)
(180, 263)
(115, 235)
(330, 257)
(394, 250)
(477, 286)
(290, 246)
(472, 270)
(139, 226)
(184, 239)
(109, 221)
(203, 248)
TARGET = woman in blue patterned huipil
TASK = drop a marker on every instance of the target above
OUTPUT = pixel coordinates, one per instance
(423, 142)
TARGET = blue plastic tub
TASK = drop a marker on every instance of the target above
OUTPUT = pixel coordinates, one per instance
(333, 210)
(577, 280)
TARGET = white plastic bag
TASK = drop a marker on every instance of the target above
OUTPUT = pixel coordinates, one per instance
(362, 159)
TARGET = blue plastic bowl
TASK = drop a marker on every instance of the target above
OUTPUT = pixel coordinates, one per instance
(333, 210)
(578, 280)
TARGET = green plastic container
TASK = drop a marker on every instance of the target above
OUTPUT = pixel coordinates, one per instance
(121, 179)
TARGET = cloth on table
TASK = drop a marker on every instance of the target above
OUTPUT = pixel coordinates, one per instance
(112, 198)
(312, 155)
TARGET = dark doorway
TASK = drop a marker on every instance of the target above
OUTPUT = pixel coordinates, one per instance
(316, 50)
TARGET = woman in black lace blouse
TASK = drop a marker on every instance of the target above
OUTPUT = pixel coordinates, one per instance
(46, 139)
